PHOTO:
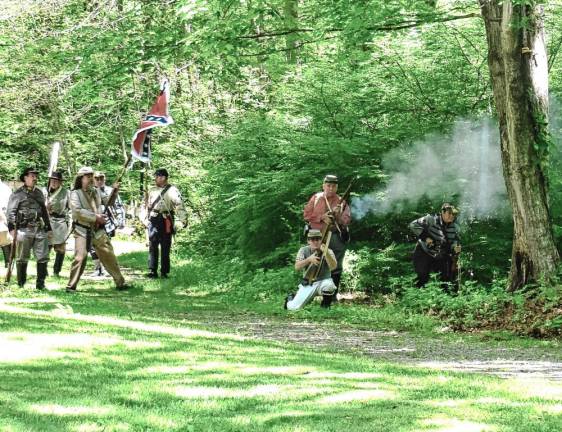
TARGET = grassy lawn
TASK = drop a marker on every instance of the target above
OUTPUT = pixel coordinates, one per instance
(103, 360)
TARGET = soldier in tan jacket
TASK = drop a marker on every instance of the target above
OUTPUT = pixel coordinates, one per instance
(86, 205)
(165, 215)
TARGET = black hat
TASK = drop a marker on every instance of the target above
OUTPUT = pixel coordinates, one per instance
(57, 175)
(161, 172)
(330, 178)
(449, 207)
(28, 170)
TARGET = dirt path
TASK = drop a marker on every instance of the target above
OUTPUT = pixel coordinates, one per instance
(443, 353)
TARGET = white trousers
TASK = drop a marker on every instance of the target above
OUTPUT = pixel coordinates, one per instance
(306, 293)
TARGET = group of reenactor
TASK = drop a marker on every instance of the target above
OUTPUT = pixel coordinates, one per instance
(43, 220)
(437, 246)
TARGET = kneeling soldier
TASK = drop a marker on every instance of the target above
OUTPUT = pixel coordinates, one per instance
(27, 210)
(308, 255)
(86, 206)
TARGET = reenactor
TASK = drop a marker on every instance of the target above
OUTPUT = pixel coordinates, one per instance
(28, 218)
(165, 215)
(89, 220)
(5, 237)
(438, 245)
(117, 211)
(325, 208)
(314, 254)
(58, 206)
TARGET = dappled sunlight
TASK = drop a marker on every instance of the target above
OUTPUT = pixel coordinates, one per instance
(118, 322)
(344, 375)
(444, 424)
(32, 300)
(20, 347)
(60, 410)
(357, 396)
(273, 391)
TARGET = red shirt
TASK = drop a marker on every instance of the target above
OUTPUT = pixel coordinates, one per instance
(316, 208)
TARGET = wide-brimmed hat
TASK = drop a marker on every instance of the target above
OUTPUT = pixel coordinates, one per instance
(57, 175)
(85, 170)
(28, 170)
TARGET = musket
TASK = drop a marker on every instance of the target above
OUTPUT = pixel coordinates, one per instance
(14, 244)
(53, 162)
(344, 199)
(314, 269)
(108, 208)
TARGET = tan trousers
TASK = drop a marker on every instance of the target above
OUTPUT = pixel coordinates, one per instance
(104, 249)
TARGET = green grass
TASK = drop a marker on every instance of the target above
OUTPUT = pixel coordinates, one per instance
(103, 360)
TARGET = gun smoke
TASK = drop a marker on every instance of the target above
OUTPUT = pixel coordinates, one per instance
(463, 167)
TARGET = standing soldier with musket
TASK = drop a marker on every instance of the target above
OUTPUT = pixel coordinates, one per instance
(325, 208)
(116, 210)
(165, 215)
(89, 221)
(28, 213)
(58, 205)
(438, 245)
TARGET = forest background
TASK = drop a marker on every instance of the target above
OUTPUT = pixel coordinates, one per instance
(267, 98)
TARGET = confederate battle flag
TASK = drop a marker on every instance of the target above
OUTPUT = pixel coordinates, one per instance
(157, 116)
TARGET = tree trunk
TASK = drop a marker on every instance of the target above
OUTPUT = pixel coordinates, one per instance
(519, 72)
(291, 22)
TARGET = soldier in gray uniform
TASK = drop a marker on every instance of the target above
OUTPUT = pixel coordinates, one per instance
(27, 210)
(438, 242)
(58, 205)
(118, 212)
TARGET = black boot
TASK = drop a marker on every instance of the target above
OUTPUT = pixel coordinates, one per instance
(21, 269)
(59, 259)
(41, 275)
(6, 250)
(326, 301)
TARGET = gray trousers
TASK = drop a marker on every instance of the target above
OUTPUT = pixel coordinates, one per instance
(32, 238)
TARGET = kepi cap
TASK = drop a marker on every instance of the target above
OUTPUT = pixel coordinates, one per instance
(314, 233)
(330, 178)
(448, 206)
(99, 174)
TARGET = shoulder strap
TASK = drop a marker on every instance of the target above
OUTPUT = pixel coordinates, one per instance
(158, 198)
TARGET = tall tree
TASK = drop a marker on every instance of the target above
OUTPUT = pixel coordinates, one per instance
(519, 72)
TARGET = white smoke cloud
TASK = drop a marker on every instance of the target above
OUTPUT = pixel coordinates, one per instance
(465, 164)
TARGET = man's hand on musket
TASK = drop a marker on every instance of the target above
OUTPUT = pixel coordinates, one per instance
(328, 218)
(457, 249)
(101, 219)
(116, 185)
(429, 241)
(314, 259)
(324, 248)
(50, 235)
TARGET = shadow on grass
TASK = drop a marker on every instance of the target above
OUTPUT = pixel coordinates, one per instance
(75, 372)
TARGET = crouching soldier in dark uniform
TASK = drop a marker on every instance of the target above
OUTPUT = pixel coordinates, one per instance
(165, 215)
(89, 220)
(437, 246)
(58, 205)
(26, 209)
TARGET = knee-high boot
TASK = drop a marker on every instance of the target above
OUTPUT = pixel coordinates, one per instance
(6, 250)
(59, 259)
(21, 269)
(41, 275)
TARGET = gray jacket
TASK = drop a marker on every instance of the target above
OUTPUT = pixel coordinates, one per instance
(445, 236)
(27, 206)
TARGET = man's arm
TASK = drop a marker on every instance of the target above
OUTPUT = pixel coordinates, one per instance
(11, 211)
(309, 214)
